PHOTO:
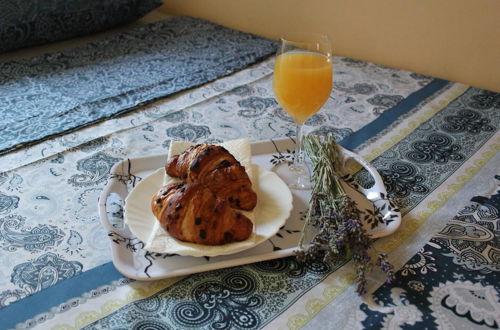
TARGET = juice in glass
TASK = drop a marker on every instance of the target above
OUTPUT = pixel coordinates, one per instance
(302, 83)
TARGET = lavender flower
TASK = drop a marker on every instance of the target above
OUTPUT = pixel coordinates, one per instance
(386, 267)
(340, 233)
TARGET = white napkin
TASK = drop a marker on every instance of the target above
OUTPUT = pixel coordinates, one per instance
(161, 241)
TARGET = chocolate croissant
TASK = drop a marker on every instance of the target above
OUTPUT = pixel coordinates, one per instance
(216, 169)
(190, 212)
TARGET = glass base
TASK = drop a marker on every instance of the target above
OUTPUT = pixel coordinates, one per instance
(295, 176)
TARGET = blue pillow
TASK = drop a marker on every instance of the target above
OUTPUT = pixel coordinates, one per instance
(32, 22)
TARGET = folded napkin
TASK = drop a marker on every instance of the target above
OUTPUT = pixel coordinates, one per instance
(161, 241)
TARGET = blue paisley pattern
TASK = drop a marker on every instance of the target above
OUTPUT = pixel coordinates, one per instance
(8, 203)
(43, 272)
(188, 132)
(27, 23)
(424, 159)
(9, 296)
(467, 121)
(13, 235)
(80, 86)
(255, 106)
(229, 298)
(231, 302)
(401, 180)
(437, 147)
(485, 100)
(453, 282)
(95, 169)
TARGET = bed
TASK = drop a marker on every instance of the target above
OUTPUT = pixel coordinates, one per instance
(434, 142)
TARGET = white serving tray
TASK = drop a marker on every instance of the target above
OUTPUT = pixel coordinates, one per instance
(133, 261)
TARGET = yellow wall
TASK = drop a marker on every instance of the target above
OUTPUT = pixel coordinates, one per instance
(458, 40)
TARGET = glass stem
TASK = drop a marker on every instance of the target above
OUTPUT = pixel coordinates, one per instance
(299, 150)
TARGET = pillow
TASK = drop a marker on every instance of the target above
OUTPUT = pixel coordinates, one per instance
(27, 23)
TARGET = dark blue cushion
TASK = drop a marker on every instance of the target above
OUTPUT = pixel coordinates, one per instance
(26, 23)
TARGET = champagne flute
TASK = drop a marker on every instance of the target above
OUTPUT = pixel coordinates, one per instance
(302, 82)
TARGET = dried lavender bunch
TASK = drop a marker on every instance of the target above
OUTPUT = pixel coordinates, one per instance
(339, 232)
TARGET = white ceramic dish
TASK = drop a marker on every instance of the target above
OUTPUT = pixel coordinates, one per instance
(272, 210)
(133, 261)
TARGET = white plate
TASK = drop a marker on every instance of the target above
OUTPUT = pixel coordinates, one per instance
(274, 204)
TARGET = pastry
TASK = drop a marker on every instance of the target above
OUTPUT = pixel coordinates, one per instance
(216, 169)
(190, 212)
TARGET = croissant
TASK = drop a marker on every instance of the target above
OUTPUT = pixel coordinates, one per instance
(216, 169)
(190, 212)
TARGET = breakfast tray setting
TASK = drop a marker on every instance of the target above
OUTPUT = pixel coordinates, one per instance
(277, 230)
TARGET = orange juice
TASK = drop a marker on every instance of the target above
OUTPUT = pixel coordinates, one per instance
(302, 83)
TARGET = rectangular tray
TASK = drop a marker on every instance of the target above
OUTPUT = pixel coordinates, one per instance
(133, 261)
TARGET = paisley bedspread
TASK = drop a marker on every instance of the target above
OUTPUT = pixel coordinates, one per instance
(59, 92)
(434, 142)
